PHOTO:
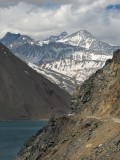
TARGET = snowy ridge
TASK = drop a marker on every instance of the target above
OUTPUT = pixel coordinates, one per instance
(85, 39)
(81, 38)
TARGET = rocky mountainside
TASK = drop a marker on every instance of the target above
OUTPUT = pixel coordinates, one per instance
(75, 56)
(25, 94)
(92, 130)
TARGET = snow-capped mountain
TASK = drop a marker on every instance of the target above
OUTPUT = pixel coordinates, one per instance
(85, 39)
(29, 50)
(75, 56)
(55, 38)
(15, 40)
(56, 47)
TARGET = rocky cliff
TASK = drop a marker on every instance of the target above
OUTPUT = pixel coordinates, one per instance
(92, 130)
(25, 94)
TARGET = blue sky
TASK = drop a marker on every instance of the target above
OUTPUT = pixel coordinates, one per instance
(113, 7)
(51, 5)
(43, 18)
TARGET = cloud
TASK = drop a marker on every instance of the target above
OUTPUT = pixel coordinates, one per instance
(37, 2)
(41, 19)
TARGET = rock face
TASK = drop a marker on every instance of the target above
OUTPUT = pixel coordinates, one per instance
(92, 130)
(99, 94)
(25, 94)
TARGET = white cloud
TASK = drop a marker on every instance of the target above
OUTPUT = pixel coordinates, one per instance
(40, 21)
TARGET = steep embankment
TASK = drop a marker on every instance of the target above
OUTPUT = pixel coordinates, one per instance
(25, 94)
(92, 131)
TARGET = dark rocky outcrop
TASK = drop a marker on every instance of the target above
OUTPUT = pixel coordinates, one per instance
(25, 94)
(92, 131)
(99, 94)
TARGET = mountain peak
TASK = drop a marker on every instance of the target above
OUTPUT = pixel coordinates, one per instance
(56, 38)
(80, 38)
(85, 39)
(12, 35)
(13, 38)
(84, 33)
(64, 34)
(16, 36)
(10, 38)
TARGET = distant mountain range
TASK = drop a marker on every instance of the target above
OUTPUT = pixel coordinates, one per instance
(25, 94)
(75, 56)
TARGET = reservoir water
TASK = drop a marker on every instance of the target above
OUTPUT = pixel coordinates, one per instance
(13, 134)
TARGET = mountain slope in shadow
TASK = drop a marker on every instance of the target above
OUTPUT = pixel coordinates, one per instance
(25, 94)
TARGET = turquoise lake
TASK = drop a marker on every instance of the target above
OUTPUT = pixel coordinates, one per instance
(13, 134)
